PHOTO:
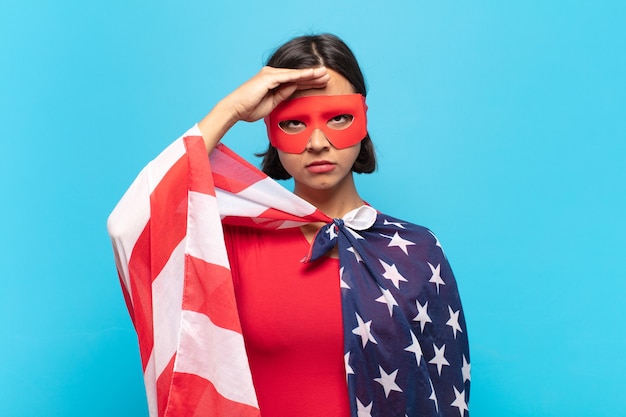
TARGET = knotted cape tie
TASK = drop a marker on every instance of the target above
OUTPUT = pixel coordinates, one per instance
(326, 238)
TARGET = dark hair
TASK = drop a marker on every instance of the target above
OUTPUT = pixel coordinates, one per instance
(314, 51)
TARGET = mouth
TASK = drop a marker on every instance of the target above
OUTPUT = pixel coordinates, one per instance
(320, 167)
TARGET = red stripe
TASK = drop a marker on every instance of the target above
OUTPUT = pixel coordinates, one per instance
(273, 219)
(209, 290)
(316, 216)
(168, 214)
(199, 169)
(164, 386)
(141, 290)
(194, 396)
(231, 172)
(127, 298)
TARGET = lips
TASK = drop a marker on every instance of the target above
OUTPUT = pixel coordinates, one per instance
(320, 167)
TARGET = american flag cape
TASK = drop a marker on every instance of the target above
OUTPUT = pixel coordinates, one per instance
(406, 349)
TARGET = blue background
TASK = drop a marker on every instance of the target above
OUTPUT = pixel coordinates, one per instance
(500, 125)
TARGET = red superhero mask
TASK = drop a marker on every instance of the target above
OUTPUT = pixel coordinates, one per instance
(341, 118)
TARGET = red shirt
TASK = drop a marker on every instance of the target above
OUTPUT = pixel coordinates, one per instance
(291, 321)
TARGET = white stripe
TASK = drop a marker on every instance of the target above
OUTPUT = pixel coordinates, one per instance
(204, 230)
(260, 196)
(132, 212)
(288, 224)
(217, 355)
(149, 380)
(277, 224)
(126, 223)
(167, 301)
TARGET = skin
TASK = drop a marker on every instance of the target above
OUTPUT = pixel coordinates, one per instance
(331, 191)
(322, 173)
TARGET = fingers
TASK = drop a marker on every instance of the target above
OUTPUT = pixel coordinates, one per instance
(283, 92)
(303, 78)
(314, 83)
(262, 93)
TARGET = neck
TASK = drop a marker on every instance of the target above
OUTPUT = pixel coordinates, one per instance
(334, 202)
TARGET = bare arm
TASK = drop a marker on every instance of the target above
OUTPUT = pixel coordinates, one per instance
(256, 98)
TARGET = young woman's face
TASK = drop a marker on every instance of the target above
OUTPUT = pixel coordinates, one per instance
(321, 166)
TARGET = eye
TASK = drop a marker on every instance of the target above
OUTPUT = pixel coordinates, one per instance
(340, 122)
(292, 126)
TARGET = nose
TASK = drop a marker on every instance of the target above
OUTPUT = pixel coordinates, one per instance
(318, 141)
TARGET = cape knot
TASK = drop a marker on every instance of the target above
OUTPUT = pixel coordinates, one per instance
(361, 218)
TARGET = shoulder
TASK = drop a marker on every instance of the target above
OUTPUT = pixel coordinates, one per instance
(384, 222)
(414, 239)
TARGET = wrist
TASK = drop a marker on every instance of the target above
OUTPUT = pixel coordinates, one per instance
(216, 123)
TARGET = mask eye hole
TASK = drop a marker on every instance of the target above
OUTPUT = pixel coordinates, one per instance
(292, 127)
(340, 122)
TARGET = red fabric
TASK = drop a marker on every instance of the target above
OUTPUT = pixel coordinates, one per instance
(202, 394)
(171, 256)
(290, 315)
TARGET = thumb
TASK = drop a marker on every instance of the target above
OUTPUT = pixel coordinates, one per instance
(283, 92)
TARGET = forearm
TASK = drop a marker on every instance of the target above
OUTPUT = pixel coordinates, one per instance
(216, 123)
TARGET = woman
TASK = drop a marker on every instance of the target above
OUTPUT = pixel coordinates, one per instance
(373, 303)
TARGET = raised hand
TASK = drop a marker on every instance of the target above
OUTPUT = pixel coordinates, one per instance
(257, 97)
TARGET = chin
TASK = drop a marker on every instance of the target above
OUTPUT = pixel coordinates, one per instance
(319, 185)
